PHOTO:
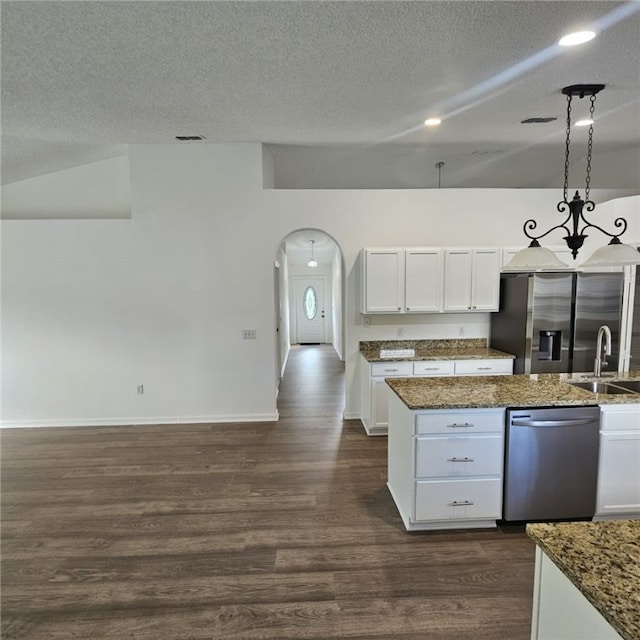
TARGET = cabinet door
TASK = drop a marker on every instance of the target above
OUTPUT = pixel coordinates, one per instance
(380, 403)
(619, 474)
(383, 281)
(485, 280)
(457, 279)
(423, 280)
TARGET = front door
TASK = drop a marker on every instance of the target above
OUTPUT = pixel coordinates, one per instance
(309, 310)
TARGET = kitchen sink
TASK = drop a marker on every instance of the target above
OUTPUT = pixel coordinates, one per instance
(602, 387)
(630, 385)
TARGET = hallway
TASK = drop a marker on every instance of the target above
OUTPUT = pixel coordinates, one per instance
(271, 531)
(313, 383)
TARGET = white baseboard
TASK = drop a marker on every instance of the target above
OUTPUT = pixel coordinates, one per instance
(351, 415)
(135, 422)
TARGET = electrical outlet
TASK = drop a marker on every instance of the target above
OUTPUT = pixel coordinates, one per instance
(366, 321)
(461, 331)
(249, 334)
(400, 332)
(140, 389)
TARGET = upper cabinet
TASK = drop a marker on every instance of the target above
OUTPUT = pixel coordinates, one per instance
(383, 281)
(423, 280)
(429, 280)
(399, 280)
(471, 279)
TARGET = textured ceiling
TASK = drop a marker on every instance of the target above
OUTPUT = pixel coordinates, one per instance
(338, 90)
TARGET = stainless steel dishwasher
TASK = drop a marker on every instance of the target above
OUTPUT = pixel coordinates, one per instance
(551, 463)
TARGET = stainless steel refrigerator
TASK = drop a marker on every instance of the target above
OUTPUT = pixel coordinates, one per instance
(550, 320)
(632, 337)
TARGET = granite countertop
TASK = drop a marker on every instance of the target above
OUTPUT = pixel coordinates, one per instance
(602, 559)
(535, 390)
(449, 349)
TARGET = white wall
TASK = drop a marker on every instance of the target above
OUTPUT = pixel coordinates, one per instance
(104, 193)
(92, 308)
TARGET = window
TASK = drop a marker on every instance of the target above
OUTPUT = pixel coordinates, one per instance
(310, 303)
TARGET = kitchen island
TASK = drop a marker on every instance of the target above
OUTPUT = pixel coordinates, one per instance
(587, 580)
(446, 448)
(535, 390)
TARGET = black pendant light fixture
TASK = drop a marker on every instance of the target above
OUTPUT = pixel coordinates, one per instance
(575, 223)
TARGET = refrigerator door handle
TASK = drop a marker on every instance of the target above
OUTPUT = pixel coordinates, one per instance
(548, 423)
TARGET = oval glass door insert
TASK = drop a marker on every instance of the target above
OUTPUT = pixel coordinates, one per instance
(310, 303)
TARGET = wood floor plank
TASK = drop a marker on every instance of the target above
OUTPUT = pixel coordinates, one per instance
(271, 531)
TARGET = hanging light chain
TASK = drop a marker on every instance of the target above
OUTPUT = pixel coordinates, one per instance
(590, 147)
(566, 152)
(575, 223)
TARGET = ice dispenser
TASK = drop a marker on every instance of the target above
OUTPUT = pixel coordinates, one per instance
(550, 345)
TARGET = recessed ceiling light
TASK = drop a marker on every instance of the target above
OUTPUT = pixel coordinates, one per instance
(572, 39)
(584, 123)
(432, 122)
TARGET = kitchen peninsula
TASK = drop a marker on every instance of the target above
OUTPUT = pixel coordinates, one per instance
(447, 442)
(420, 358)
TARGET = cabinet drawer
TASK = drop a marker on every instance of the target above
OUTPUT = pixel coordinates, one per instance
(458, 499)
(483, 367)
(459, 456)
(460, 422)
(392, 369)
(433, 368)
(620, 418)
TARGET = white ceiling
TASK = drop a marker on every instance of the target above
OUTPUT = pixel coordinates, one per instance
(338, 90)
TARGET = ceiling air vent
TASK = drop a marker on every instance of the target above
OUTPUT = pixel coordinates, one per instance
(537, 120)
(189, 138)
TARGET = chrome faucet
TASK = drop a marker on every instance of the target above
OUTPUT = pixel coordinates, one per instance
(599, 361)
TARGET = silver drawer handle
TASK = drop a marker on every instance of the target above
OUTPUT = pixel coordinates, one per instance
(391, 370)
(464, 503)
(460, 460)
(432, 368)
(466, 424)
(484, 368)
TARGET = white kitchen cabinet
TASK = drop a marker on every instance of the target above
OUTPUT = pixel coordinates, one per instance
(374, 392)
(382, 280)
(471, 280)
(444, 456)
(450, 504)
(427, 368)
(423, 280)
(484, 367)
(396, 280)
(618, 494)
(445, 466)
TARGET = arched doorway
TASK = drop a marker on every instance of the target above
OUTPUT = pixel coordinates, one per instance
(308, 294)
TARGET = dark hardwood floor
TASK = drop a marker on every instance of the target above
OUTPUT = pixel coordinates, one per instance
(277, 531)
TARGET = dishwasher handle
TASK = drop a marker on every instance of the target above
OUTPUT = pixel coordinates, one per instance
(525, 422)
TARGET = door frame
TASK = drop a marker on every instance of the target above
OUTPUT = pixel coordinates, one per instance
(294, 307)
